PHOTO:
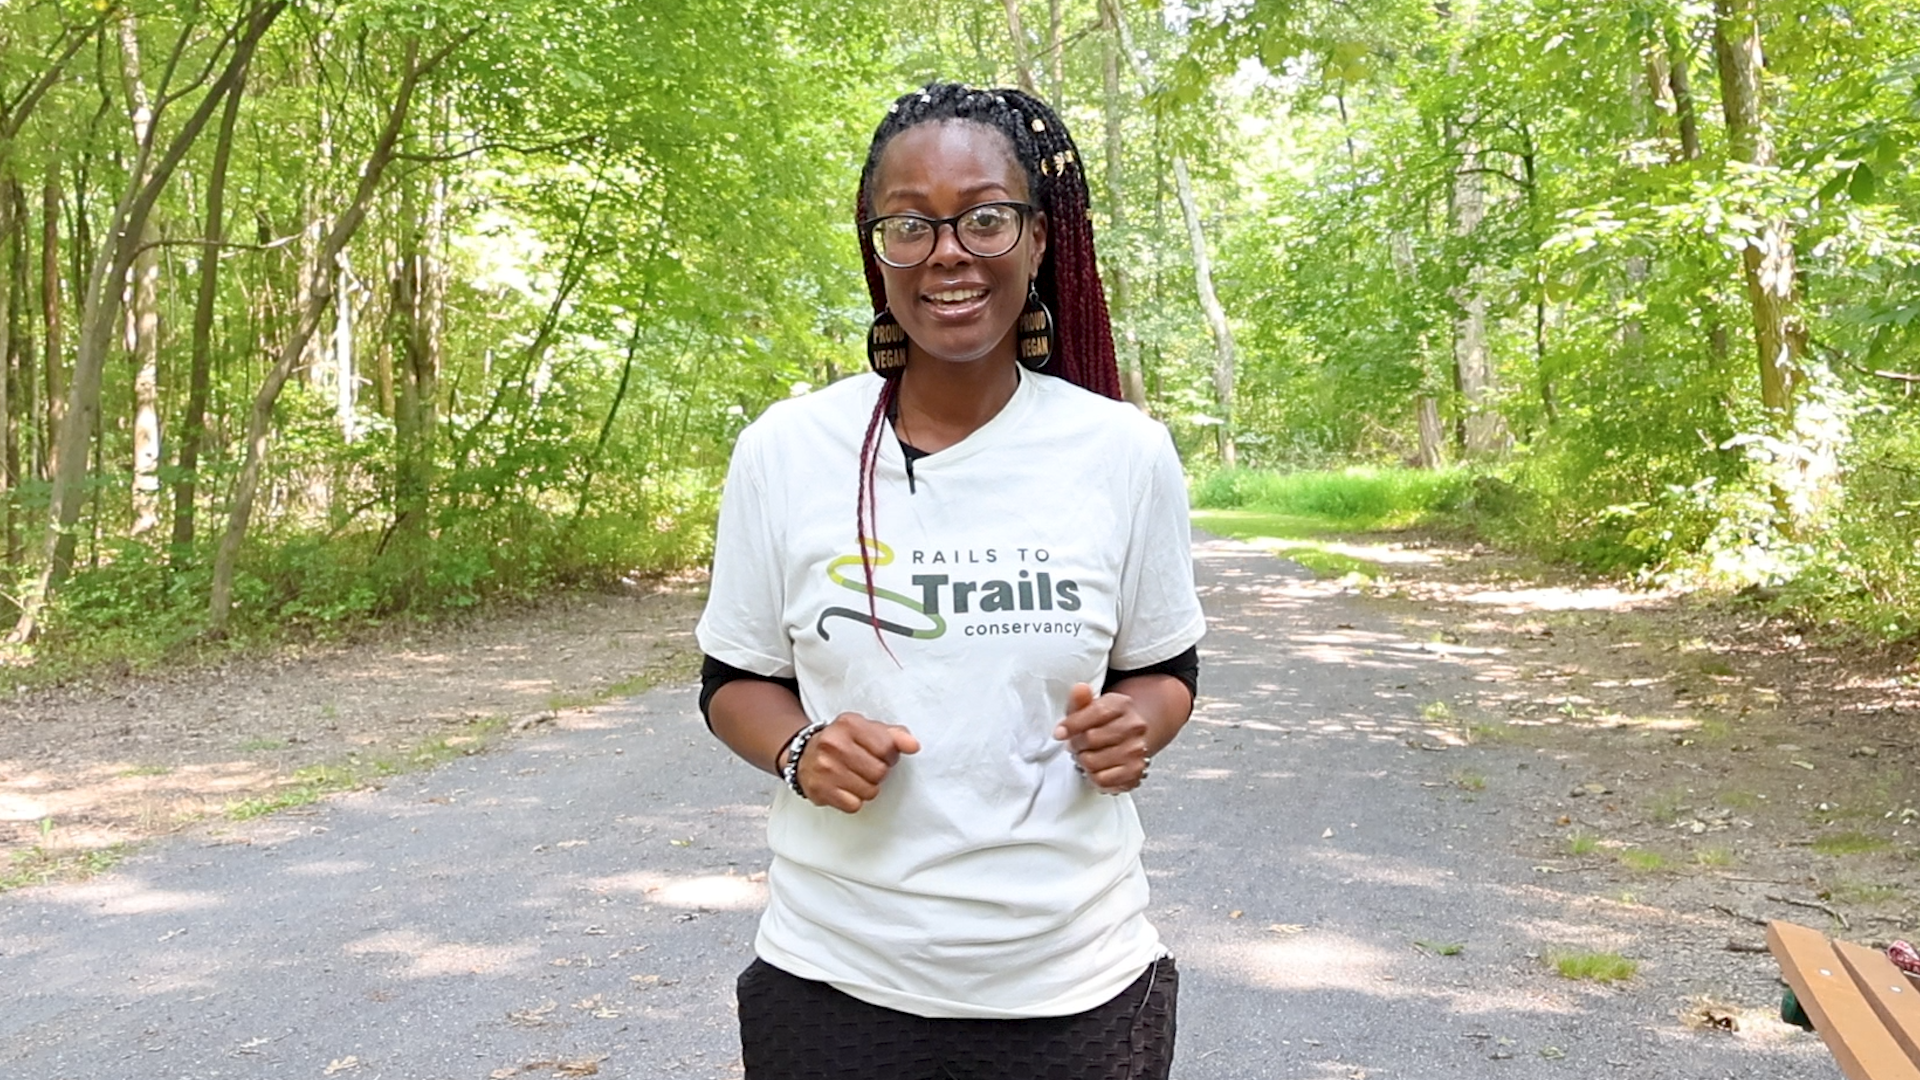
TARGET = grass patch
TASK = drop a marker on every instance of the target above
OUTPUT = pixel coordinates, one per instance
(309, 785)
(1715, 857)
(1666, 807)
(1643, 860)
(1848, 843)
(1343, 500)
(1582, 843)
(1469, 780)
(254, 746)
(1437, 711)
(316, 782)
(1487, 731)
(146, 770)
(680, 667)
(40, 866)
(1600, 967)
(1737, 800)
(1441, 948)
(1864, 892)
(1287, 536)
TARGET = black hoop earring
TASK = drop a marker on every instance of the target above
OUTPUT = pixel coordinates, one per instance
(886, 346)
(1035, 337)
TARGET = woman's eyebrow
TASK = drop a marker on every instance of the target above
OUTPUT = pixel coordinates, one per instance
(975, 190)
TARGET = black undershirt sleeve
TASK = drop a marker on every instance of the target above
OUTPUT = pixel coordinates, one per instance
(1185, 667)
(715, 674)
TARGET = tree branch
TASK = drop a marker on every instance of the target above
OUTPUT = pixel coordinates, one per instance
(481, 148)
(13, 114)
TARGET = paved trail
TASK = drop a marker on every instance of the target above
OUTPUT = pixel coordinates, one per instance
(587, 893)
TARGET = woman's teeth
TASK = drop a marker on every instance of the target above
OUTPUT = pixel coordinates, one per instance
(956, 296)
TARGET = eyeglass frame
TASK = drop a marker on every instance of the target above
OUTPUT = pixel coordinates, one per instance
(1026, 210)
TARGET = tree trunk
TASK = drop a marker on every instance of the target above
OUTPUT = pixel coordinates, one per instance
(1223, 350)
(100, 311)
(1023, 64)
(1433, 438)
(143, 341)
(1132, 384)
(142, 303)
(11, 226)
(307, 321)
(1768, 259)
(193, 425)
(419, 289)
(1685, 113)
(1483, 431)
(345, 382)
(53, 343)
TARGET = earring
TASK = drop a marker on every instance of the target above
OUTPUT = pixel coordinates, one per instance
(1036, 332)
(886, 346)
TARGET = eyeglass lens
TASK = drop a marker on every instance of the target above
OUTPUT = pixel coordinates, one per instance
(986, 232)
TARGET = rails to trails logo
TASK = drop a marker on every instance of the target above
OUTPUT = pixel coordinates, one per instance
(1030, 590)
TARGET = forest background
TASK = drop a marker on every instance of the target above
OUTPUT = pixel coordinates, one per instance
(316, 315)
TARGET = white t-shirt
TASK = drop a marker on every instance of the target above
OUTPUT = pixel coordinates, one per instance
(989, 878)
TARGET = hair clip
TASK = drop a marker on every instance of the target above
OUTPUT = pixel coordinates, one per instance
(1039, 125)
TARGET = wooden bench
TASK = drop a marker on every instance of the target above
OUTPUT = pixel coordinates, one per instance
(1866, 1009)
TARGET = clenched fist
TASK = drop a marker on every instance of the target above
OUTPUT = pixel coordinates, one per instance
(843, 765)
(1108, 737)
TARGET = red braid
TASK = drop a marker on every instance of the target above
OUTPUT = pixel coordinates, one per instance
(866, 525)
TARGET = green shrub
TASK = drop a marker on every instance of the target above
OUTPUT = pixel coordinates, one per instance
(1359, 499)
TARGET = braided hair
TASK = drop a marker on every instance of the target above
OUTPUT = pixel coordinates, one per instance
(1069, 278)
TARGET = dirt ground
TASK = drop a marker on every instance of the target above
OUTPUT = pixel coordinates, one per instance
(1687, 761)
(88, 769)
(1689, 757)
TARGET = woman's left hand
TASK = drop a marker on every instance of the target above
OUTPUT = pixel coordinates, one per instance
(1108, 737)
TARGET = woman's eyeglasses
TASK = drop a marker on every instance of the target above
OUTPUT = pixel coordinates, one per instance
(987, 231)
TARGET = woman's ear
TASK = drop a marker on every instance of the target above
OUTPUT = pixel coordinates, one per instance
(1037, 232)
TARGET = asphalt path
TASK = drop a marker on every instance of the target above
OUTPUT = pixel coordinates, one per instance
(578, 901)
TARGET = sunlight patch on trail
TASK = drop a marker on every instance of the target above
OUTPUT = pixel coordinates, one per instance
(1318, 962)
(426, 958)
(708, 892)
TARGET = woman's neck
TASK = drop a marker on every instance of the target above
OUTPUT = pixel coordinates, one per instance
(940, 404)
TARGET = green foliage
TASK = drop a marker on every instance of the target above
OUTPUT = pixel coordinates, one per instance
(1849, 843)
(1355, 499)
(1589, 966)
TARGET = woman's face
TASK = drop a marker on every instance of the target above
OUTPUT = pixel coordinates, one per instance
(955, 306)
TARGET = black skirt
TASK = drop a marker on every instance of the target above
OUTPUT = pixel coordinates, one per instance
(797, 1029)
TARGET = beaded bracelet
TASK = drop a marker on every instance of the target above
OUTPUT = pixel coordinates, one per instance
(790, 772)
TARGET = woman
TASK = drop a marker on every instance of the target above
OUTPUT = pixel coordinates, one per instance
(920, 576)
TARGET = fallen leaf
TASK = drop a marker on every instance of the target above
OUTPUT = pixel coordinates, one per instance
(580, 1067)
(1328, 835)
(344, 1064)
(533, 1017)
(1807, 765)
(1236, 913)
(1285, 928)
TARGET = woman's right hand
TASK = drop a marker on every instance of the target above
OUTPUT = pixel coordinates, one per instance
(843, 765)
